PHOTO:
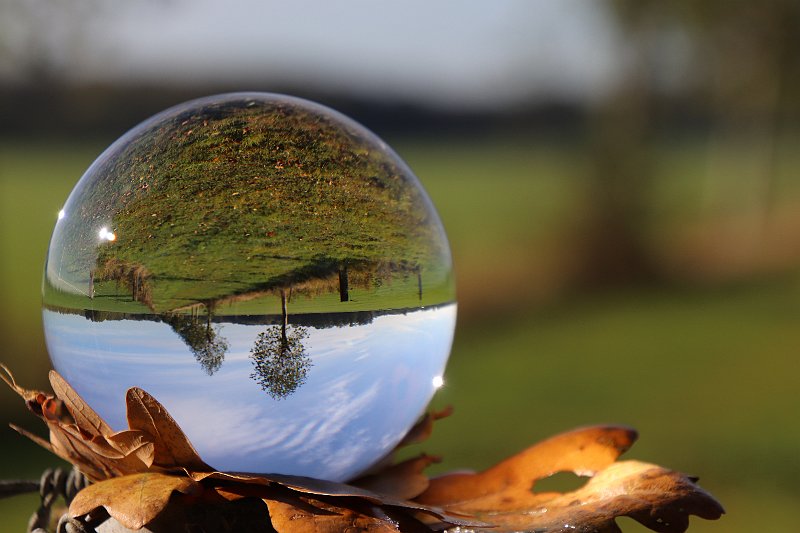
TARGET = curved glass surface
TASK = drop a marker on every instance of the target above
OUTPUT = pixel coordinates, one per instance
(269, 270)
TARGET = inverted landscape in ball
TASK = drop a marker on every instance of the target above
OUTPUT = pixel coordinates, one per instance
(266, 267)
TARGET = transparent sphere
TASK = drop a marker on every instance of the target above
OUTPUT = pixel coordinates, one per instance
(269, 270)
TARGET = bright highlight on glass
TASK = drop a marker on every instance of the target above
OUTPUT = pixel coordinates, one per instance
(106, 235)
(276, 276)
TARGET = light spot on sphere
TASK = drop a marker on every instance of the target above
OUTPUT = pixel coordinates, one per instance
(106, 235)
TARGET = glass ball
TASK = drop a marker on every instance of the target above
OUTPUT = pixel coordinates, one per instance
(269, 270)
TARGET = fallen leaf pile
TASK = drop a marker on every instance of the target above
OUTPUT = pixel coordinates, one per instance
(150, 476)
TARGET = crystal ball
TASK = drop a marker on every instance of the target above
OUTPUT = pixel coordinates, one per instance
(268, 269)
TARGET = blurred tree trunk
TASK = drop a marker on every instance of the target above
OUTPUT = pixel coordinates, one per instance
(344, 284)
(612, 244)
(741, 60)
(284, 320)
(753, 52)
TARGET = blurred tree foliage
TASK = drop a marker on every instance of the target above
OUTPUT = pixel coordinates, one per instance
(737, 61)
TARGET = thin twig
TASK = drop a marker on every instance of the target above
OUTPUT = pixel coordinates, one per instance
(15, 487)
(53, 484)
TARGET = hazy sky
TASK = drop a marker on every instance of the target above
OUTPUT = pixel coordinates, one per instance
(451, 51)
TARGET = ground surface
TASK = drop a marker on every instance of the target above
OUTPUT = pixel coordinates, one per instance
(707, 372)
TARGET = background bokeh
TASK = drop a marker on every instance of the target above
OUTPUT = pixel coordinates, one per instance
(620, 181)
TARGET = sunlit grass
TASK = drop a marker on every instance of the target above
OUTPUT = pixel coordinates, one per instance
(708, 376)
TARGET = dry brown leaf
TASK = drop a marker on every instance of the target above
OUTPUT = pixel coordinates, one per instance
(27, 394)
(287, 518)
(172, 446)
(405, 480)
(144, 465)
(582, 451)
(133, 443)
(133, 500)
(355, 517)
(84, 416)
(658, 498)
(79, 435)
(267, 493)
(155, 444)
(94, 457)
(35, 438)
(502, 495)
(422, 430)
(331, 491)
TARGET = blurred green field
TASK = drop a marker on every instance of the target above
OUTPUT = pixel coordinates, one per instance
(707, 374)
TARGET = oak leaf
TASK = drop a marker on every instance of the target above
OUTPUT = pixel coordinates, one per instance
(287, 518)
(133, 500)
(304, 491)
(405, 480)
(422, 430)
(172, 448)
(150, 475)
(155, 457)
(503, 495)
(79, 435)
(582, 451)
